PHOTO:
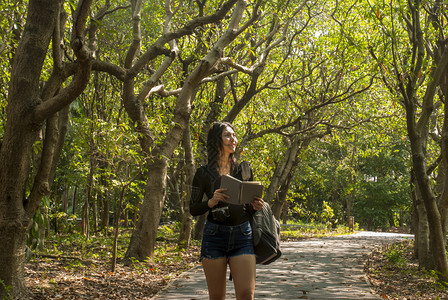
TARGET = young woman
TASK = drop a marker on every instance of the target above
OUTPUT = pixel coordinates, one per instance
(227, 236)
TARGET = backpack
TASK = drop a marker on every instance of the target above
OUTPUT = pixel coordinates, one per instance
(266, 235)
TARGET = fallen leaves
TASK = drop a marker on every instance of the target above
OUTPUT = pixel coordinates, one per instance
(405, 282)
(60, 279)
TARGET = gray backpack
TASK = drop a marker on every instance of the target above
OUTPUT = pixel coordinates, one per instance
(266, 235)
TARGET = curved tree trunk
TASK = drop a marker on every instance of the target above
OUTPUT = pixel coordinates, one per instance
(282, 170)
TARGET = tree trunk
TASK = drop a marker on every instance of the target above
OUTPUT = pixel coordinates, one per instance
(104, 199)
(65, 200)
(414, 216)
(199, 227)
(443, 166)
(143, 239)
(105, 208)
(283, 173)
(422, 241)
(425, 258)
(437, 239)
(280, 201)
(117, 230)
(15, 154)
(88, 199)
(95, 213)
(418, 131)
(174, 184)
(62, 125)
(187, 218)
(75, 189)
(282, 170)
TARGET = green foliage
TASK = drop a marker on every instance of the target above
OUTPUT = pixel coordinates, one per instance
(36, 234)
(327, 212)
(395, 255)
(7, 290)
(300, 230)
(368, 170)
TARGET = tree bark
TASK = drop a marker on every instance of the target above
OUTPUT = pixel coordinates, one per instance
(422, 241)
(418, 133)
(443, 166)
(282, 170)
(280, 204)
(187, 218)
(117, 229)
(142, 243)
(281, 173)
(88, 199)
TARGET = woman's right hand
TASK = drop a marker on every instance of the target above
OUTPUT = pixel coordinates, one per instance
(218, 195)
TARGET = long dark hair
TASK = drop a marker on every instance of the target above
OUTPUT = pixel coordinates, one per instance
(215, 146)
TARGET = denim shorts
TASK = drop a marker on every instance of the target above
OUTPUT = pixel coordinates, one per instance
(226, 241)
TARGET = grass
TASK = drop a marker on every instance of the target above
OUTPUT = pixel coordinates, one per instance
(298, 231)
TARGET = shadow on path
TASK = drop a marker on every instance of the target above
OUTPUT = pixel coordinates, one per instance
(327, 268)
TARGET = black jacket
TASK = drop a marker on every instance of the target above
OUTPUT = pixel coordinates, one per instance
(205, 182)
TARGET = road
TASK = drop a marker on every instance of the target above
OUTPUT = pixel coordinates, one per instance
(324, 268)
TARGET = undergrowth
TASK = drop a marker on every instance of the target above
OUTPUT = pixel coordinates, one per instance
(298, 231)
(394, 271)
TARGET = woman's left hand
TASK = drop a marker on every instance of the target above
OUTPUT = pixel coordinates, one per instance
(257, 203)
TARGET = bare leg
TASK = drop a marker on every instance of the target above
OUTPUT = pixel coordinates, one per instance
(242, 268)
(215, 274)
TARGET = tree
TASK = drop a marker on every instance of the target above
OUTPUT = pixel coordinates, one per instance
(28, 109)
(143, 239)
(415, 74)
(322, 73)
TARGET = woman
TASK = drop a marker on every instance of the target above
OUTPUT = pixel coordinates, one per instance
(227, 236)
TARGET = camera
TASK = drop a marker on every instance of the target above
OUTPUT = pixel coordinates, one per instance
(221, 213)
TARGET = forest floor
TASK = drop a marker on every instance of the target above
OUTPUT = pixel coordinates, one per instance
(62, 278)
(392, 272)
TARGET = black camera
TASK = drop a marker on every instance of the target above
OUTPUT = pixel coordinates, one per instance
(221, 213)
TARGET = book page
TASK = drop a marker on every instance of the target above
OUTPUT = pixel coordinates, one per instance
(249, 189)
(233, 188)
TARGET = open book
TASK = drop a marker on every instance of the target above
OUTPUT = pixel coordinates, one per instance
(240, 192)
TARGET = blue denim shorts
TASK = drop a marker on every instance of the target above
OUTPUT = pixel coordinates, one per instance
(226, 241)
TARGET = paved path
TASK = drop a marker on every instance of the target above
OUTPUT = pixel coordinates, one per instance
(328, 268)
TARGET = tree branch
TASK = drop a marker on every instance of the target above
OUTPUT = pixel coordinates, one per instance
(82, 76)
